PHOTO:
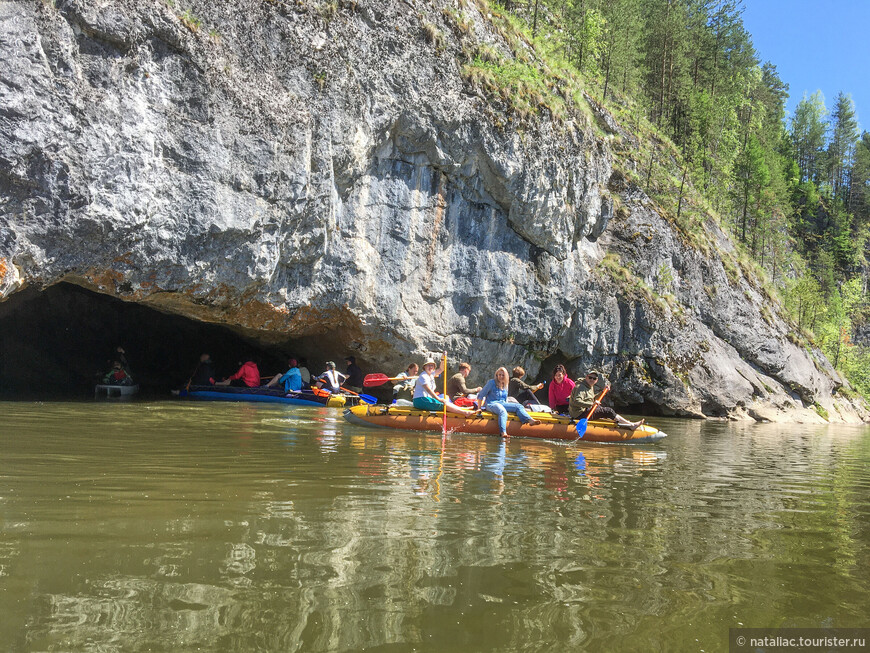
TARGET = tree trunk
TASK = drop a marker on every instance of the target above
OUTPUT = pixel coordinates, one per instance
(607, 71)
(682, 185)
(649, 174)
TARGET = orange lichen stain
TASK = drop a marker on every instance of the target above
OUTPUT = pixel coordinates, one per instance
(3, 268)
(104, 279)
(260, 315)
(438, 219)
(146, 284)
(123, 258)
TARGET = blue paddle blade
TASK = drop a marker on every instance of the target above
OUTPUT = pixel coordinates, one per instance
(368, 399)
(581, 427)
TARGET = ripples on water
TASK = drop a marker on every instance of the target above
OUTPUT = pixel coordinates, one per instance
(173, 526)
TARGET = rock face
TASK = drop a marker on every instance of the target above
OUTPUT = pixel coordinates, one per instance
(296, 169)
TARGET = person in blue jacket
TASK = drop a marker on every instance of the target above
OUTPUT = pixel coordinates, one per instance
(494, 398)
(291, 379)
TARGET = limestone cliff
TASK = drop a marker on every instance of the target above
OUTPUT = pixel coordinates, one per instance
(302, 168)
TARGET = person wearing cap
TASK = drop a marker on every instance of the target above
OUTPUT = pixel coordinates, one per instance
(425, 395)
(331, 379)
(456, 384)
(291, 379)
(583, 396)
(354, 375)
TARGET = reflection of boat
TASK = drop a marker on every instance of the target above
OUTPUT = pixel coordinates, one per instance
(104, 389)
(264, 395)
(552, 427)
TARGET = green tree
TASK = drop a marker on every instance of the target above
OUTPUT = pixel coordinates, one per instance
(808, 129)
(841, 147)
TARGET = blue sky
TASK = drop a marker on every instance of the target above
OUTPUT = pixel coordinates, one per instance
(819, 45)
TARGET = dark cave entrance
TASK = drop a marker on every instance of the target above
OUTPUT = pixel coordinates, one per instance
(59, 342)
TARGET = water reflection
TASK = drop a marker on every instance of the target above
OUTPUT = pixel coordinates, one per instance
(179, 526)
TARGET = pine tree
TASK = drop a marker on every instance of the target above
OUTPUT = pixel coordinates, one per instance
(841, 148)
(808, 135)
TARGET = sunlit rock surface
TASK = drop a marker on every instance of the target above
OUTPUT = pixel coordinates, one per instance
(296, 169)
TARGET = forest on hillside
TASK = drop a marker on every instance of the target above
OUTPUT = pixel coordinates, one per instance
(794, 191)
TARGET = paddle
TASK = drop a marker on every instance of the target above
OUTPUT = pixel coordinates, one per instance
(380, 379)
(366, 399)
(321, 392)
(584, 422)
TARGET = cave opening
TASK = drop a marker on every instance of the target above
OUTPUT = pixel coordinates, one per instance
(576, 369)
(60, 341)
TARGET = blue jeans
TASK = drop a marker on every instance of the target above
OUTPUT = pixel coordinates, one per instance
(501, 408)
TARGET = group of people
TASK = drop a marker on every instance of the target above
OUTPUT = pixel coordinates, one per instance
(296, 378)
(503, 394)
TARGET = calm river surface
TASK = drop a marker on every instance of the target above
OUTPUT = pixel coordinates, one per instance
(225, 527)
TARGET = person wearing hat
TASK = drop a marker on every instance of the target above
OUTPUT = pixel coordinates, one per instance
(425, 395)
(354, 375)
(331, 379)
(291, 379)
(583, 396)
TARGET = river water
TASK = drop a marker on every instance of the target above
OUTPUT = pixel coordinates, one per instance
(171, 526)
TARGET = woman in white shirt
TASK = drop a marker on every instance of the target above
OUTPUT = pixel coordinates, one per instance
(425, 396)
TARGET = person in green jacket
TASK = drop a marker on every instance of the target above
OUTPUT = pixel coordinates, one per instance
(583, 396)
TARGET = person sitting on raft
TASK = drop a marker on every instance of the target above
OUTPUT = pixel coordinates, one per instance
(456, 384)
(247, 376)
(354, 375)
(291, 379)
(404, 389)
(304, 373)
(560, 389)
(204, 373)
(331, 379)
(117, 375)
(520, 390)
(425, 397)
(583, 396)
(494, 398)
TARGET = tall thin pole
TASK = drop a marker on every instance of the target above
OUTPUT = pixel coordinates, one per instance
(444, 367)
